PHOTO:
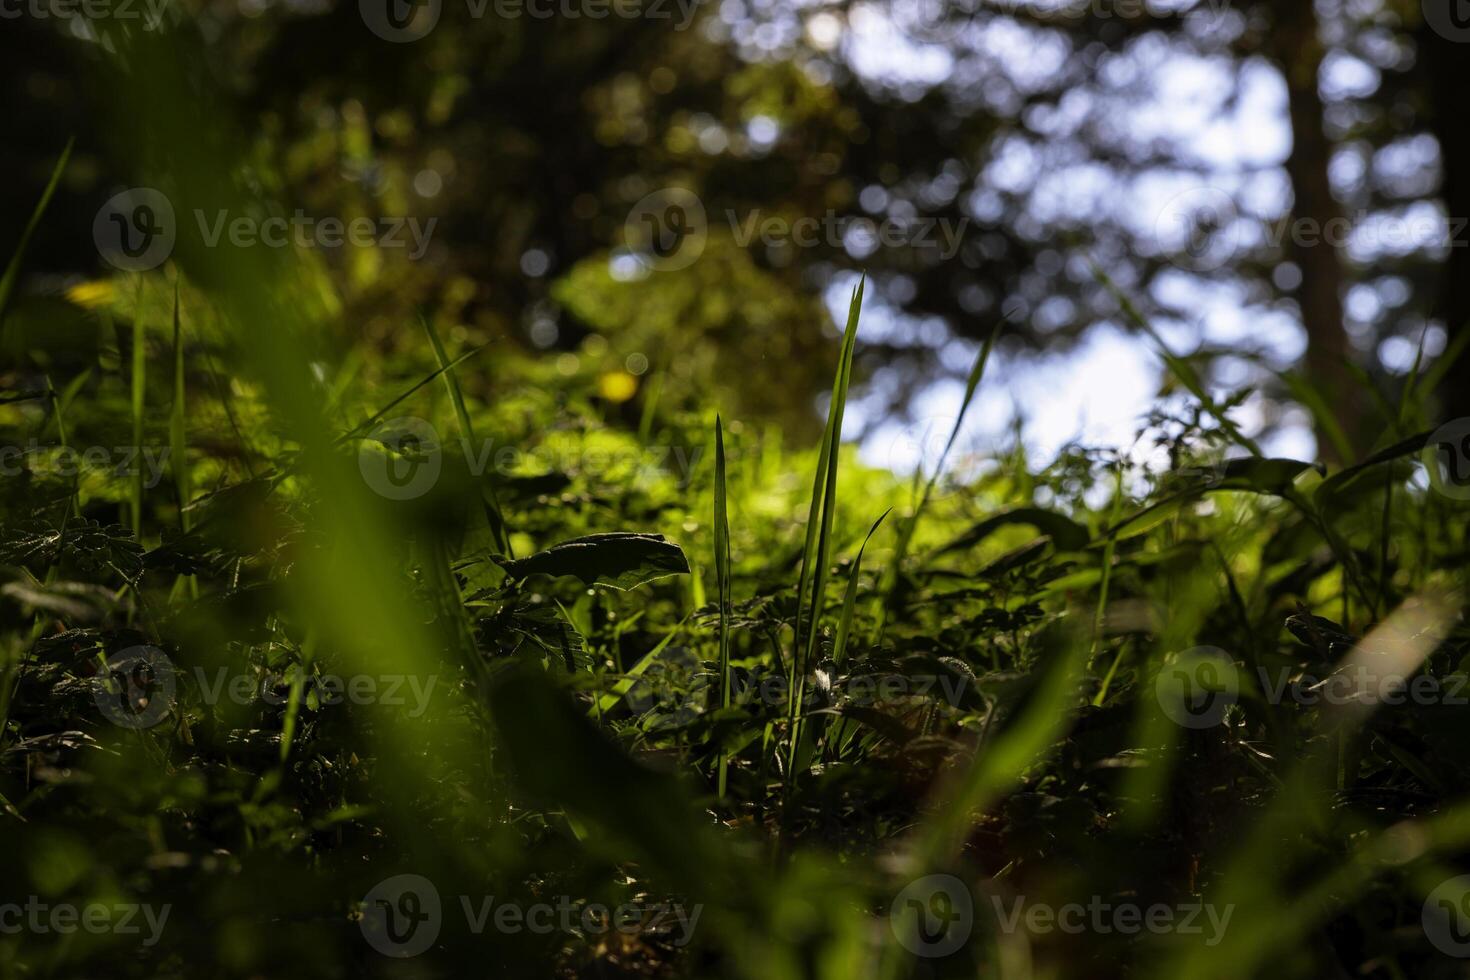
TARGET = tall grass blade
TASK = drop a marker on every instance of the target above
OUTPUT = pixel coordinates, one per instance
(722, 586)
(817, 552)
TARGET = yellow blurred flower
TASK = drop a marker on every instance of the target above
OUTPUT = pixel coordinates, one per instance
(91, 295)
(617, 386)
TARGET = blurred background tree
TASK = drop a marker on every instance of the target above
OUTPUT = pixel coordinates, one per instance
(1167, 143)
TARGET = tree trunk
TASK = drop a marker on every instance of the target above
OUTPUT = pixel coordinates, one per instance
(1443, 65)
(1297, 49)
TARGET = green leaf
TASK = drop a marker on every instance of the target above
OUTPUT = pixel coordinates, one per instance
(619, 560)
(1251, 474)
(1262, 475)
(1341, 482)
(885, 724)
(1066, 533)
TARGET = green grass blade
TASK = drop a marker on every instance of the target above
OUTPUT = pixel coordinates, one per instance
(906, 531)
(1448, 358)
(58, 409)
(653, 392)
(722, 586)
(1178, 366)
(972, 384)
(1099, 617)
(1024, 741)
(378, 416)
(824, 503)
(849, 601)
(803, 582)
(608, 701)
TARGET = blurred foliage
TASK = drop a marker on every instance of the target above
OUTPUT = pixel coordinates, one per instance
(320, 568)
(1060, 135)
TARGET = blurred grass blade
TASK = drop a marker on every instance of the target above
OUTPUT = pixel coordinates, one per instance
(1026, 739)
(1322, 415)
(139, 395)
(12, 269)
(177, 434)
(562, 759)
(467, 434)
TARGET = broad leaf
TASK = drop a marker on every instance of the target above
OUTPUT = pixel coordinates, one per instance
(619, 560)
